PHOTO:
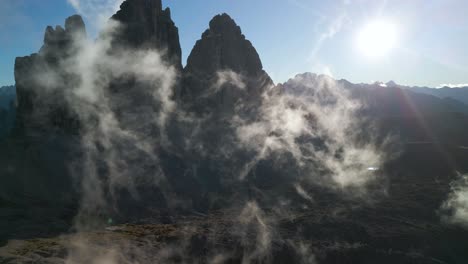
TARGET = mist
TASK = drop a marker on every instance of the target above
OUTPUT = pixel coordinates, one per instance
(213, 162)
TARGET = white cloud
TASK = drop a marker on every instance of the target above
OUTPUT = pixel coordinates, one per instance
(333, 28)
(456, 205)
(97, 12)
(320, 68)
(75, 4)
(303, 193)
(230, 77)
(315, 107)
(451, 85)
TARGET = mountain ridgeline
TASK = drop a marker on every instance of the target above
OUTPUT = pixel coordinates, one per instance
(116, 130)
(457, 93)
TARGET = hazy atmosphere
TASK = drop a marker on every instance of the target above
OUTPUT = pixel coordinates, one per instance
(316, 132)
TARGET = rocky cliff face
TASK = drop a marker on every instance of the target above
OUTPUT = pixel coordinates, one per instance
(145, 25)
(223, 71)
(35, 159)
(222, 83)
(223, 79)
(56, 128)
(42, 82)
(46, 79)
(223, 47)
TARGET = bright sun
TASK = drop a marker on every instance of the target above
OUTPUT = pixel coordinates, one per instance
(377, 38)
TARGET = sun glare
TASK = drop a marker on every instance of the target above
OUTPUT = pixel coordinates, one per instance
(377, 38)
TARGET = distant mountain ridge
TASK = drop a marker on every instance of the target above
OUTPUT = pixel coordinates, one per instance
(452, 95)
(7, 95)
(386, 98)
(457, 93)
(416, 117)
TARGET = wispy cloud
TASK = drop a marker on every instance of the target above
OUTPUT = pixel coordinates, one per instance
(453, 85)
(95, 11)
(334, 27)
(315, 107)
(456, 206)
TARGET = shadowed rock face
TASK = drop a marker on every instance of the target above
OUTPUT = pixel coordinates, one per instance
(44, 79)
(34, 159)
(42, 82)
(145, 25)
(223, 71)
(223, 47)
(223, 79)
(37, 162)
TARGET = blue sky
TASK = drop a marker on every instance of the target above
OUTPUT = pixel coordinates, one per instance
(291, 36)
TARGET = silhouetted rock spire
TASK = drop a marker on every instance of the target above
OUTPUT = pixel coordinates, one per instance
(146, 25)
(41, 81)
(58, 40)
(224, 47)
(75, 26)
(223, 72)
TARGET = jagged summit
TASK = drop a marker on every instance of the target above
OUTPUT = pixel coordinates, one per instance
(75, 25)
(60, 38)
(224, 47)
(40, 104)
(146, 25)
(225, 60)
(138, 7)
(224, 23)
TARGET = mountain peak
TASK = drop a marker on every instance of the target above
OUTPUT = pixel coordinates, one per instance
(76, 26)
(224, 47)
(146, 25)
(60, 38)
(224, 23)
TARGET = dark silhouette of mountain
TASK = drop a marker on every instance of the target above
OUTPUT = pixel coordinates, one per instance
(52, 122)
(223, 78)
(146, 25)
(42, 107)
(215, 158)
(223, 47)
